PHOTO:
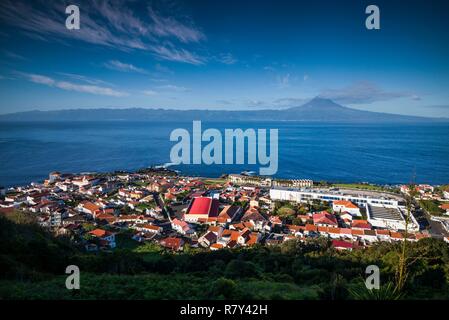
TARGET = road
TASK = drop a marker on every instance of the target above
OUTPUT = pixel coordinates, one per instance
(160, 202)
(435, 228)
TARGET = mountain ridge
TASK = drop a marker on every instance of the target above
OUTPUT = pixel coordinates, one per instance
(318, 109)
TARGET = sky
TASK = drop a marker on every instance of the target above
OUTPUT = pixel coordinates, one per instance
(232, 55)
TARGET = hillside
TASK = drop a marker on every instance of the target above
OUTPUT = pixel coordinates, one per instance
(32, 264)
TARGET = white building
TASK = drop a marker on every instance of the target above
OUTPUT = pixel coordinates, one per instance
(345, 206)
(249, 180)
(389, 217)
(359, 197)
(295, 183)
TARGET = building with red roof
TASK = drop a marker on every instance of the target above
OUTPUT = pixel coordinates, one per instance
(346, 206)
(172, 243)
(324, 219)
(202, 208)
(342, 245)
(361, 225)
(105, 237)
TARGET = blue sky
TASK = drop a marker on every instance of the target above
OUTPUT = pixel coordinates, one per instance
(225, 55)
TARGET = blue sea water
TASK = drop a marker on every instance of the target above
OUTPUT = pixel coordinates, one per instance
(377, 153)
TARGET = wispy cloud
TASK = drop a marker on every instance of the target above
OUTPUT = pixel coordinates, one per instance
(13, 55)
(158, 80)
(85, 79)
(289, 102)
(283, 81)
(70, 86)
(162, 69)
(149, 92)
(269, 68)
(167, 27)
(124, 67)
(171, 87)
(362, 92)
(226, 58)
(169, 52)
(108, 23)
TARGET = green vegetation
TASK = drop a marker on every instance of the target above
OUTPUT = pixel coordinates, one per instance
(361, 186)
(146, 205)
(32, 265)
(432, 207)
(214, 181)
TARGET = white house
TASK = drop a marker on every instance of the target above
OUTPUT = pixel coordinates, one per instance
(346, 206)
(182, 227)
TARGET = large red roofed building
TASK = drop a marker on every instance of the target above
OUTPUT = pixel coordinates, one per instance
(202, 208)
(324, 219)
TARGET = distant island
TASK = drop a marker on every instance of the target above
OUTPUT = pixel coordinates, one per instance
(317, 109)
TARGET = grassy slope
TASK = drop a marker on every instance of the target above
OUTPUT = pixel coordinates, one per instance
(32, 265)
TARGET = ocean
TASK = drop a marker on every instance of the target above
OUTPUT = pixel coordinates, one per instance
(337, 152)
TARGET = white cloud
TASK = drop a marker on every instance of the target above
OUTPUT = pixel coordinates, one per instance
(158, 80)
(124, 67)
(283, 81)
(167, 26)
(36, 78)
(170, 87)
(107, 23)
(85, 79)
(14, 55)
(289, 102)
(149, 92)
(269, 68)
(362, 92)
(168, 52)
(69, 86)
(226, 58)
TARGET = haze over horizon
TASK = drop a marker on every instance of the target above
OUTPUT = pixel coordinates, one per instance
(229, 55)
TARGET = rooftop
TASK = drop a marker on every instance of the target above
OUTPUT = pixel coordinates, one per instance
(378, 212)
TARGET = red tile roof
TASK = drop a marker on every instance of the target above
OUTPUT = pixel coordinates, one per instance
(311, 227)
(362, 224)
(324, 218)
(342, 244)
(99, 233)
(172, 243)
(345, 203)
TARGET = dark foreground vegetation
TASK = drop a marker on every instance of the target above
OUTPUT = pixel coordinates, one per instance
(32, 265)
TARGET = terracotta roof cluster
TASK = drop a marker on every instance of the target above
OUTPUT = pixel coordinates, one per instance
(324, 217)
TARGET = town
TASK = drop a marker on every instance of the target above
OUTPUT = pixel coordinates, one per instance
(103, 211)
